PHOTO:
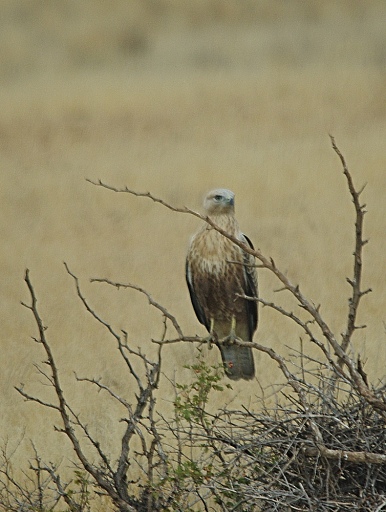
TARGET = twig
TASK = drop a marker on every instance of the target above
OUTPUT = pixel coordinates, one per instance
(152, 302)
(303, 325)
(355, 282)
(114, 493)
(148, 195)
(145, 393)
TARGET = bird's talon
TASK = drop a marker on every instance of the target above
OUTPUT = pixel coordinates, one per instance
(209, 340)
(230, 340)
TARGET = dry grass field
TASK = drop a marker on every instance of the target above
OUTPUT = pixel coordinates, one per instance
(177, 98)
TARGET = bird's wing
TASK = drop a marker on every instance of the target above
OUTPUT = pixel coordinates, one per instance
(251, 288)
(193, 296)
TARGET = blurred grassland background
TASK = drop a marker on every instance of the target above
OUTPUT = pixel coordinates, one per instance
(177, 98)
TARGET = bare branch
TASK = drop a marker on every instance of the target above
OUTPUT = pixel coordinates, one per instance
(103, 387)
(87, 306)
(30, 398)
(152, 302)
(145, 392)
(114, 493)
(355, 282)
(148, 195)
(303, 325)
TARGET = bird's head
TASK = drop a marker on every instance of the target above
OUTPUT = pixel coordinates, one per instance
(219, 201)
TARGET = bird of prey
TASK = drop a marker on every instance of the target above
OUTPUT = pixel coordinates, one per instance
(216, 271)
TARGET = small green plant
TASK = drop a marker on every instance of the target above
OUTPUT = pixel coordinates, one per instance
(79, 498)
(192, 398)
(196, 464)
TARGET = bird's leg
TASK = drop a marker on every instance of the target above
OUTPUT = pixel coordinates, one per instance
(212, 337)
(231, 338)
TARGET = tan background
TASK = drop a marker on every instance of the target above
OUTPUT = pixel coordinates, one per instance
(177, 98)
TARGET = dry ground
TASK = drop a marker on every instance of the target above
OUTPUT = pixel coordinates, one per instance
(178, 99)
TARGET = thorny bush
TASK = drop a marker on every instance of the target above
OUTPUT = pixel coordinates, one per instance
(321, 447)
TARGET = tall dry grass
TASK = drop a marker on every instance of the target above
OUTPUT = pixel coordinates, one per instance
(177, 100)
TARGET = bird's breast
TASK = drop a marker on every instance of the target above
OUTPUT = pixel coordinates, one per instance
(212, 252)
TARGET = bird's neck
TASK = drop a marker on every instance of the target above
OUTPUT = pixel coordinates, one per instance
(225, 221)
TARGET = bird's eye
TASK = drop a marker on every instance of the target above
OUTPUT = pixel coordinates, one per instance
(218, 198)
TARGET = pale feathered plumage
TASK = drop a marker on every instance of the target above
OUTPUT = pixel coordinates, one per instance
(214, 281)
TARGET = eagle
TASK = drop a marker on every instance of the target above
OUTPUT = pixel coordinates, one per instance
(217, 270)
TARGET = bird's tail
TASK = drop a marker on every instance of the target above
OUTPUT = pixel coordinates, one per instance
(238, 362)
